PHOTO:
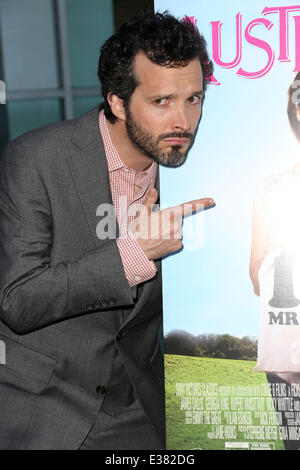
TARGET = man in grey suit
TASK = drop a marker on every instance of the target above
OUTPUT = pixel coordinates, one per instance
(80, 285)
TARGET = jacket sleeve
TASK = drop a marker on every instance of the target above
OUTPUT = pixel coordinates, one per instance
(33, 291)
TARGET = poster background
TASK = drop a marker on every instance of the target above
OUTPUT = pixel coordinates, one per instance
(244, 136)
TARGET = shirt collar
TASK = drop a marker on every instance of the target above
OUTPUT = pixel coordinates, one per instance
(114, 161)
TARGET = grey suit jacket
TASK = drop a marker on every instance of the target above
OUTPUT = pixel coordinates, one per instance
(63, 292)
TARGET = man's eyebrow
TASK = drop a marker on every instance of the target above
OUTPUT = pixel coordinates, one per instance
(199, 92)
(159, 97)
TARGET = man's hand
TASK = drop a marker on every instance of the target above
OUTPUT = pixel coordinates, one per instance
(160, 233)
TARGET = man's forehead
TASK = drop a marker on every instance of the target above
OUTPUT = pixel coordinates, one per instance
(152, 74)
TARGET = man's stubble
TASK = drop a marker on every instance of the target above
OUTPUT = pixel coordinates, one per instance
(144, 142)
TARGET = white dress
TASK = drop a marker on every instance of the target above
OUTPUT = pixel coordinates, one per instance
(278, 203)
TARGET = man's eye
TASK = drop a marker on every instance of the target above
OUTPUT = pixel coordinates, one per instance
(161, 101)
(195, 99)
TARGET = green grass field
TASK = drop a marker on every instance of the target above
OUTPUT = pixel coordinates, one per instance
(186, 369)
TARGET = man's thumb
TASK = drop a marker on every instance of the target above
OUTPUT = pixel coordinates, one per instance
(151, 199)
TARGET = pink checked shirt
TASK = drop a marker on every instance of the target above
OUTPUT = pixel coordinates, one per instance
(129, 191)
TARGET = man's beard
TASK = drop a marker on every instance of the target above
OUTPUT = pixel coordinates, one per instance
(145, 143)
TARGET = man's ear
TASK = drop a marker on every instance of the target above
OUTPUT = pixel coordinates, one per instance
(116, 106)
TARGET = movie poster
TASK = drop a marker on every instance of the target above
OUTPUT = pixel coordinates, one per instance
(232, 295)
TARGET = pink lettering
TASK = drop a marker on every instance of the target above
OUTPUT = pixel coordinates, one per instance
(216, 43)
(297, 43)
(283, 28)
(261, 44)
(212, 80)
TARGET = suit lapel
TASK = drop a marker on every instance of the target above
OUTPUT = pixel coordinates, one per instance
(88, 167)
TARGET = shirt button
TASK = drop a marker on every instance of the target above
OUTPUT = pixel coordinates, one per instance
(104, 303)
(112, 301)
(126, 170)
(137, 278)
(100, 389)
(91, 307)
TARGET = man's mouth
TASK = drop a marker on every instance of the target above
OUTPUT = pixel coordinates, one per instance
(177, 141)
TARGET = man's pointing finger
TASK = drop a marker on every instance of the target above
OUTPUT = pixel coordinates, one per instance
(192, 207)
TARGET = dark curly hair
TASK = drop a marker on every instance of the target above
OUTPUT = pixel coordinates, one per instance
(294, 105)
(164, 40)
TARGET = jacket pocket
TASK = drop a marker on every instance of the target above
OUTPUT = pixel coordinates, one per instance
(25, 361)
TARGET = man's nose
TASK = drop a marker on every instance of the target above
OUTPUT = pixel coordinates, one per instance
(181, 120)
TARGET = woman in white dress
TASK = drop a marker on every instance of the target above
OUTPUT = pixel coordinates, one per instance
(275, 270)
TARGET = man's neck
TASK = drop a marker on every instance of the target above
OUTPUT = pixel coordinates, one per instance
(128, 152)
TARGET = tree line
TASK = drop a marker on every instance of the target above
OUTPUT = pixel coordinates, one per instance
(211, 345)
